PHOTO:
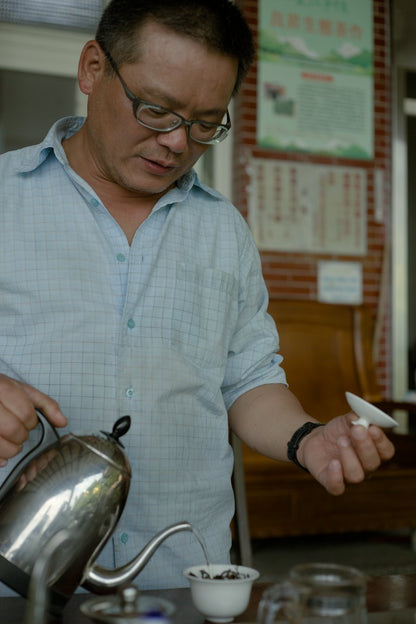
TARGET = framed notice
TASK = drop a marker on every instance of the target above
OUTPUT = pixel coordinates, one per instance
(315, 77)
(308, 208)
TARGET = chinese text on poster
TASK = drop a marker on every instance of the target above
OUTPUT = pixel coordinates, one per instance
(308, 208)
(315, 77)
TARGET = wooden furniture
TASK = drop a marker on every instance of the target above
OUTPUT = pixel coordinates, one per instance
(394, 595)
(327, 350)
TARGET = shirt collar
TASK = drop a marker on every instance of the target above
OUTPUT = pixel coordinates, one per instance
(37, 154)
(187, 184)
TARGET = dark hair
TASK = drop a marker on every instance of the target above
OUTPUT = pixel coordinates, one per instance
(219, 24)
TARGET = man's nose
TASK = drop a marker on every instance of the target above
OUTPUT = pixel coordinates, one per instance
(176, 140)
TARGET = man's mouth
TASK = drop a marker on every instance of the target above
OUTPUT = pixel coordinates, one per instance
(158, 166)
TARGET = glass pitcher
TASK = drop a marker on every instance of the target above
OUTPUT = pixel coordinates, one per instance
(315, 593)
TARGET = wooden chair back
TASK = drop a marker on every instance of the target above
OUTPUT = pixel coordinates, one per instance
(327, 350)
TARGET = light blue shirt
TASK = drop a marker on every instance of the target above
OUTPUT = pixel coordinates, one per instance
(171, 330)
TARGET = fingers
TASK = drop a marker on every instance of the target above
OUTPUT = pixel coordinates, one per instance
(18, 405)
(15, 405)
(352, 467)
(384, 446)
(14, 430)
(372, 446)
(48, 406)
(363, 451)
(335, 478)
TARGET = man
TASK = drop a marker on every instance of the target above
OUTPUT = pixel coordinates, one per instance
(128, 287)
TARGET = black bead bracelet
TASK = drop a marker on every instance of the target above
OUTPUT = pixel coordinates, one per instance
(293, 444)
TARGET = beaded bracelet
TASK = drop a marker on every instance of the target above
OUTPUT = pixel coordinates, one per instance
(293, 444)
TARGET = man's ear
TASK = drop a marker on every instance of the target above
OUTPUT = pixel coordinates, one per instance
(91, 66)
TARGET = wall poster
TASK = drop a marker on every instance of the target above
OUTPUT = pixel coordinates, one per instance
(315, 77)
(307, 208)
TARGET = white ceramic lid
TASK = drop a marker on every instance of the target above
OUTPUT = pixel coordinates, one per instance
(368, 414)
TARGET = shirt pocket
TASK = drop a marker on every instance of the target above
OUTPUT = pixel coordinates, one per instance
(203, 314)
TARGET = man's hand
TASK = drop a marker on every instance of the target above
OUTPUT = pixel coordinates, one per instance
(266, 417)
(341, 453)
(18, 405)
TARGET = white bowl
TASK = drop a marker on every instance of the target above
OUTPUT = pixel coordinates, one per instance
(220, 600)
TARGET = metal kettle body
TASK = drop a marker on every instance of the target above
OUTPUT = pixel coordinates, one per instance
(78, 485)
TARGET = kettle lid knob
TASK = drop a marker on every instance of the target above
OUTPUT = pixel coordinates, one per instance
(129, 595)
(120, 428)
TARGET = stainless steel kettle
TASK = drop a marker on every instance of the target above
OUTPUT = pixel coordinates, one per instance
(77, 484)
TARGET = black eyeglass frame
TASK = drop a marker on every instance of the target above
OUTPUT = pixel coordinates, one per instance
(223, 129)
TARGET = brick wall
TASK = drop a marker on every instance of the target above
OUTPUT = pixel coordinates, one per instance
(294, 275)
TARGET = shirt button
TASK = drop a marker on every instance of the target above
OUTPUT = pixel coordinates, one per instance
(124, 538)
(121, 257)
(130, 393)
(94, 202)
(131, 324)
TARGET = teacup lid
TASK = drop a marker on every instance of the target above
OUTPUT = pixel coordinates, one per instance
(128, 607)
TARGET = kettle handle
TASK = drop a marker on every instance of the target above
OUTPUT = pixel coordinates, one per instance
(48, 436)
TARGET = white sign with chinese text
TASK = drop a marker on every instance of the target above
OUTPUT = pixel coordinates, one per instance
(308, 208)
(340, 282)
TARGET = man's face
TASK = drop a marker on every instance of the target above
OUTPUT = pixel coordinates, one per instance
(171, 71)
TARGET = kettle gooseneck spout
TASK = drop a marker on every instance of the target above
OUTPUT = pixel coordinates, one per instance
(101, 580)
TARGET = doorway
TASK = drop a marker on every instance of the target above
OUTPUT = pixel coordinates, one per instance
(403, 17)
(410, 125)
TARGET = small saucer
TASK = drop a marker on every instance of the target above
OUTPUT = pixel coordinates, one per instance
(368, 414)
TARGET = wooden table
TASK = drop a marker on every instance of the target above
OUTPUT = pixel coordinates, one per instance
(390, 600)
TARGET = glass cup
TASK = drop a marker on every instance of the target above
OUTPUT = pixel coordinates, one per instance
(316, 592)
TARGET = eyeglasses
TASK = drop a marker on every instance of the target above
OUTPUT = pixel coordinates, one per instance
(161, 119)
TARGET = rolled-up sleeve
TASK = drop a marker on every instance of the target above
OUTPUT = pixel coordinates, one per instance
(253, 357)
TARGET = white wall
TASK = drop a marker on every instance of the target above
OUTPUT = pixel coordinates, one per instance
(38, 69)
